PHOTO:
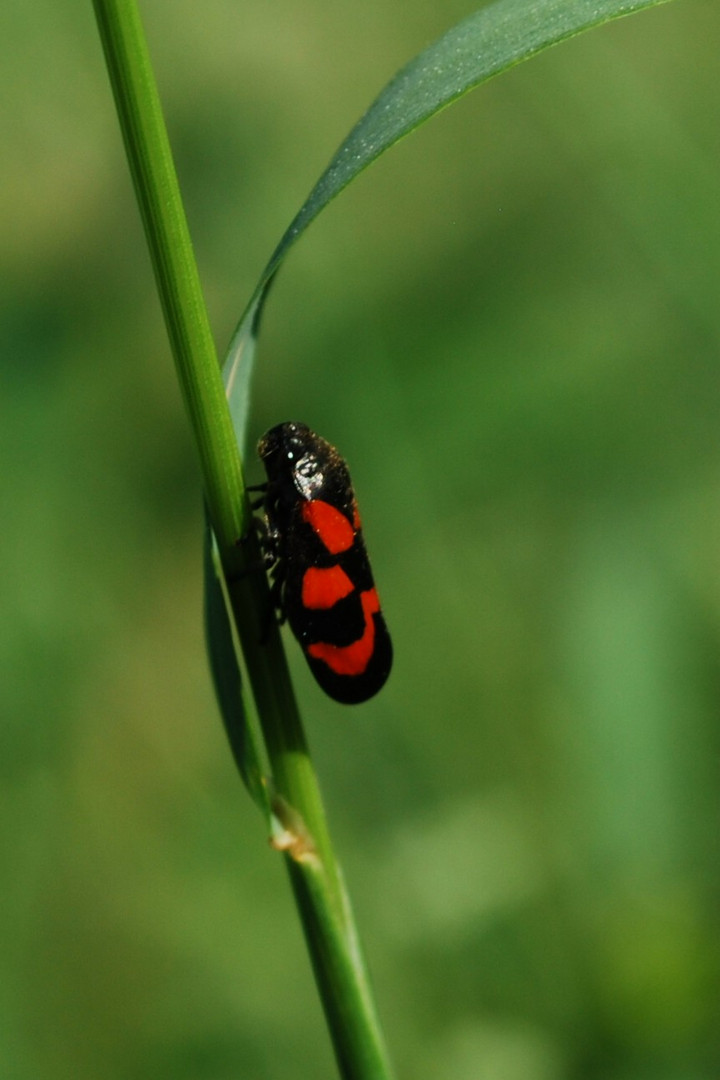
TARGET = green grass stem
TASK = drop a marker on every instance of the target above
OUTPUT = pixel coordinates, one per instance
(299, 823)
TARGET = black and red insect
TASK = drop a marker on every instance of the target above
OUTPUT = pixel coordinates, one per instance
(322, 579)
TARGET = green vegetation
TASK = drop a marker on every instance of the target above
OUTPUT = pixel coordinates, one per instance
(509, 326)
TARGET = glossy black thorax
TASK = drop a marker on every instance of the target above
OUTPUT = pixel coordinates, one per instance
(301, 465)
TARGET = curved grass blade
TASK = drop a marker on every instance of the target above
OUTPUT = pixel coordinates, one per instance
(227, 679)
(493, 39)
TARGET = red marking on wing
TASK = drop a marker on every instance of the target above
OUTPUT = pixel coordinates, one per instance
(323, 587)
(351, 659)
(329, 525)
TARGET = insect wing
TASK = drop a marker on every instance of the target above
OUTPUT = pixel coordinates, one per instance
(334, 611)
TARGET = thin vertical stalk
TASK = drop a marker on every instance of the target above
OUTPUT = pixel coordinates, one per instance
(156, 187)
(300, 828)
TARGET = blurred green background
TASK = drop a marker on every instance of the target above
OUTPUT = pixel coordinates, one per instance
(510, 326)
